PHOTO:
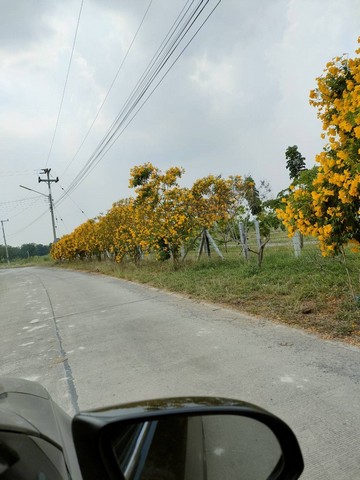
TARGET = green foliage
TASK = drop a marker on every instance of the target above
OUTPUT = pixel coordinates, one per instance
(25, 251)
(306, 177)
(295, 161)
(164, 251)
(252, 196)
(141, 176)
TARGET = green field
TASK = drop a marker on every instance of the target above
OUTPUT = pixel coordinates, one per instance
(311, 292)
(27, 262)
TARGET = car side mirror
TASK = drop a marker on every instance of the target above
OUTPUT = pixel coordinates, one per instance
(186, 439)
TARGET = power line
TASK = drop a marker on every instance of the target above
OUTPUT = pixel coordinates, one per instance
(170, 44)
(58, 216)
(73, 201)
(45, 171)
(139, 85)
(19, 201)
(32, 201)
(139, 89)
(115, 137)
(10, 206)
(110, 88)
(152, 62)
(27, 208)
(66, 80)
(156, 61)
(29, 225)
(12, 173)
(153, 90)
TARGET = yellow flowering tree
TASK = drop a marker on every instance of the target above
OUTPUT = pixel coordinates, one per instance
(175, 215)
(163, 208)
(162, 217)
(63, 249)
(214, 199)
(122, 231)
(329, 207)
(81, 243)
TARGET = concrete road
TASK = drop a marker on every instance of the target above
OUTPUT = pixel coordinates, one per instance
(94, 341)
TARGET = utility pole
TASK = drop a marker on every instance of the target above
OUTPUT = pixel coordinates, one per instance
(46, 171)
(48, 180)
(6, 249)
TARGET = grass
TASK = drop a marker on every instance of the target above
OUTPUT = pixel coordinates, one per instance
(310, 292)
(27, 262)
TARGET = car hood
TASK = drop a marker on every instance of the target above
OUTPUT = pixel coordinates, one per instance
(26, 407)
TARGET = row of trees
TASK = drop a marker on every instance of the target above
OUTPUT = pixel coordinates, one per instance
(163, 217)
(25, 251)
(325, 201)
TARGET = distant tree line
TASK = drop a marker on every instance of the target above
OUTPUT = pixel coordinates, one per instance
(25, 251)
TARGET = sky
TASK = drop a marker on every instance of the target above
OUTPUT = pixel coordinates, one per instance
(232, 103)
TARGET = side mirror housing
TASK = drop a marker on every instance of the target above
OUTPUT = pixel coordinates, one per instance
(186, 439)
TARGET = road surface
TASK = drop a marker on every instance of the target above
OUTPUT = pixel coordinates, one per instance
(95, 341)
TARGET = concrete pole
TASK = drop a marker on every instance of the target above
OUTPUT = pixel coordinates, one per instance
(6, 249)
(297, 243)
(243, 241)
(51, 206)
(258, 235)
(48, 181)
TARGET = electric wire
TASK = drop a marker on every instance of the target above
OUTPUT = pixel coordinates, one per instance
(145, 101)
(153, 74)
(11, 173)
(152, 71)
(29, 225)
(106, 139)
(10, 206)
(146, 72)
(33, 204)
(103, 153)
(132, 96)
(57, 217)
(66, 193)
(66, 80)
(128, 107)
(107, 142)
(19, 201)
(114, 122)
(73, 201)
(110, 88)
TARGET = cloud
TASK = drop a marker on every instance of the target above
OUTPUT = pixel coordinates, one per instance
(234, 101)
(23, 22)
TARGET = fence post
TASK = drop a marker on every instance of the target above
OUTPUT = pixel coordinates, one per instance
(201, 245)
(297, 243)
(212, 241)
(257, 231)
(243, 241)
